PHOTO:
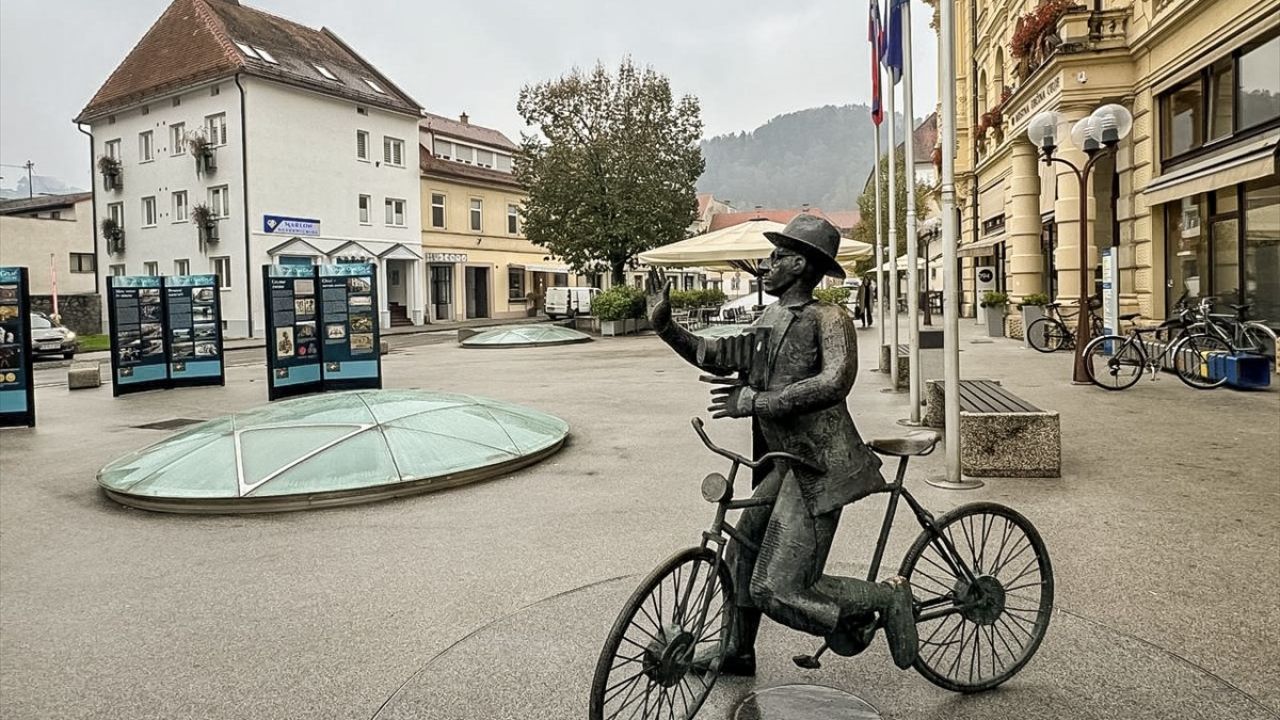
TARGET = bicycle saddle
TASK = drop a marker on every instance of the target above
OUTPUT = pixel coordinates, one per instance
(920, 442)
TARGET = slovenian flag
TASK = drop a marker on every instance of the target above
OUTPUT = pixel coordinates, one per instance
(892, 49)
(875, 35)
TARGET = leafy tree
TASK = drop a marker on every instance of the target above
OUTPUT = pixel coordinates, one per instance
(612, 172)
(865, 230)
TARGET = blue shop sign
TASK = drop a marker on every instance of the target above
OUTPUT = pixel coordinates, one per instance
(282, 225)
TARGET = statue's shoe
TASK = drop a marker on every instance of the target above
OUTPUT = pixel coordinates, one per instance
(740, 664)
(900, 623)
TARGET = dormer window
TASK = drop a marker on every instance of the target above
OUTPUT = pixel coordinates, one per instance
(248, 51)
(266, 56)
(324, 71)
(376, 88)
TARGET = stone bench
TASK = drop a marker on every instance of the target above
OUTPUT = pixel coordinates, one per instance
(1001, 435)
(83, 377)
(904, 364)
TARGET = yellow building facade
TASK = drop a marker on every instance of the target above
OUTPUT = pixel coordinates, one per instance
(478, 262)
(1189, 202)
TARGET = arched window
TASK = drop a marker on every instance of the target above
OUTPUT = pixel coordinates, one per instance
(982, 93)
(998, 90)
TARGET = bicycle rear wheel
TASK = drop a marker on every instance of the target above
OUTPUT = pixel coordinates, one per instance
(1114, 363)
(1262, 341)
(1194, 358)
(979, 628)
(646, 669)
(1047, 335)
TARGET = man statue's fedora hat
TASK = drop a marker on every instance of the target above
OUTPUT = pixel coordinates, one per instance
(815, 238)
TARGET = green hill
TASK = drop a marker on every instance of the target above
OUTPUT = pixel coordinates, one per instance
(821, 156)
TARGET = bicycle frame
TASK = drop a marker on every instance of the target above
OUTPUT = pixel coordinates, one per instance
(723, 496)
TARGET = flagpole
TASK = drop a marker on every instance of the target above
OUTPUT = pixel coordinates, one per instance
(913, 272)
(950, 281)
(893, 237)
(880, 289)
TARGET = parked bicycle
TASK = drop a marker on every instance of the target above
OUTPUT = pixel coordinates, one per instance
(1117, 362)
(981, 575)
(1253, 337)
(1053, 331)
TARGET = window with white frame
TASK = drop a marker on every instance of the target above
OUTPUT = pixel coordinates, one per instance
(464, 154)
(182, 267)
(442, 149)
(395, 212)
(146, 146)
(374, 86)
(503, 163)
(393, 151)
(265, 55)
(484, 158)
(215, 129)
(364, 204)
(117, 270)
(328, 75)
(221, 266)
(362, 145)
(437, 210)
(220, 201)
(180, 206)
(115, 211)
(177, 138)
(149, 211)
(151, 268)
(83, 262)
(477, 214)
(112, 148)
(513, 219)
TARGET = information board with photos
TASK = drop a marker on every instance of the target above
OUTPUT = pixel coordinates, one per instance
(193, 308)
(322, 327)
(17, 383)
(135, 310)
(293, 343)
(165, 332)
(349, 313)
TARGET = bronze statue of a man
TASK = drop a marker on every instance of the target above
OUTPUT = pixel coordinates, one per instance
(796, 389)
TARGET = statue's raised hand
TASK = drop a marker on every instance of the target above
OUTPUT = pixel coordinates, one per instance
(658, 300)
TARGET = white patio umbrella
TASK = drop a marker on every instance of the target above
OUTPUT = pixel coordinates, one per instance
(921, 264)
(737, 247)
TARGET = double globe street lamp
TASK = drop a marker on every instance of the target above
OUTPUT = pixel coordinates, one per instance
(1096, 135)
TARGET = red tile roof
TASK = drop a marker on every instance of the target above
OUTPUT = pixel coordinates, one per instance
(195, 40)
(720, 221)
(924, 138)
(844, 219)
(448, 127)
(704, 200)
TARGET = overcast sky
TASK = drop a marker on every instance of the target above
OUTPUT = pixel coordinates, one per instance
(746, 60)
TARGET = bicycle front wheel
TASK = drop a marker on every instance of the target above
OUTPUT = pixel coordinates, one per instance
(983, 609)
(1047, 335)
(682, 611)
(1114, 363)
(1195, 358)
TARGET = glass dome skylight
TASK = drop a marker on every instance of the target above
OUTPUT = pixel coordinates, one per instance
(525, 336)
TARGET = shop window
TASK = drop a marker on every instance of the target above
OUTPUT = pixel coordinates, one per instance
(1188, 249)
(1259, 83)
(515, 284)
(1262, 249)
(1221, 108)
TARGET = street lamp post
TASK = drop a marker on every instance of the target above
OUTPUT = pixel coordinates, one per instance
(1096, 135)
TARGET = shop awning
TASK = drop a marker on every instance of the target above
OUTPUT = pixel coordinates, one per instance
(559, 269)
(1249, 161)
(991, 200)
(982, 248)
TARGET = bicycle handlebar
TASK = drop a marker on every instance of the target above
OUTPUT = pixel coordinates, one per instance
(698, 427)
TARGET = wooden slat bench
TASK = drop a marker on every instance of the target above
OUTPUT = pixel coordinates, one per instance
(1001, 435)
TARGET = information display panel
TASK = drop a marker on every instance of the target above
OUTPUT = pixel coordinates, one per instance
(17, 384)
(136, 317)
(349, 316)
(293, 330)
(193, 309)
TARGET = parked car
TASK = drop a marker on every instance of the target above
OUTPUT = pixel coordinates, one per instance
(569, 301)
(50, 338)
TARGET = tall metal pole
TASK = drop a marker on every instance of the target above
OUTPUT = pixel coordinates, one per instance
(950, 232)
(880, 288)
(893, 239)
(913, 273)
(1080, 373)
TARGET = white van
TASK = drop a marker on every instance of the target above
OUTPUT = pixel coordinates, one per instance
(569, 301)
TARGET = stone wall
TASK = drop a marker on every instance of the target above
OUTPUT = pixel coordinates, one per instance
(81, 313)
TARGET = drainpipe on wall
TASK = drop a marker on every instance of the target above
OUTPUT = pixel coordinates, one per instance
(244, 180)
(92, 180)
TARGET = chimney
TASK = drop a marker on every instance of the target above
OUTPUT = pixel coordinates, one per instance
(463, 118)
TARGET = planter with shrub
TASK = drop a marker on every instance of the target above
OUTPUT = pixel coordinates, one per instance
(1032, 307)
(204, 153)
(112, 174)
(994, 303)
(618, 309)
(206, 224)
(114, 235)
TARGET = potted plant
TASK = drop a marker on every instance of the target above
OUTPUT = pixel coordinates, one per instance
(111, 173)
(114, 235)
(618, 308)
(206, 223)
(1032, 307)
(994, 303)
(204, 153)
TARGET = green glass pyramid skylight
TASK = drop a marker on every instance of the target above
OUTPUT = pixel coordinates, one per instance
(525, 336)
(333, 449)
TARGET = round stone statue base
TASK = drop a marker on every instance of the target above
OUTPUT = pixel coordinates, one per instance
(804, 702)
